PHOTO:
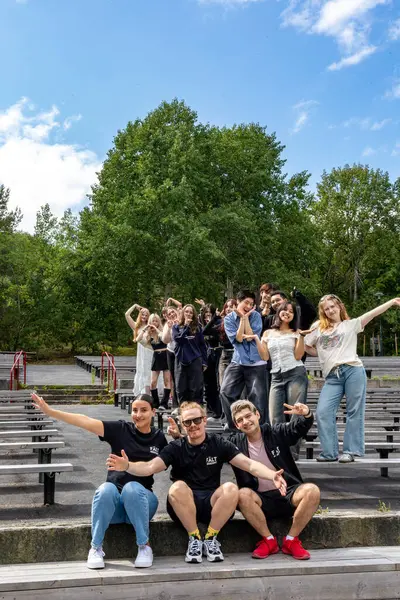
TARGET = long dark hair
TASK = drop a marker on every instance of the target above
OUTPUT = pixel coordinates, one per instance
(194, 325)
(223, 315)
(294, 323)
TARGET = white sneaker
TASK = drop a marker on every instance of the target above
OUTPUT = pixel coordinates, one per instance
(144, 557)
(194, 551)
(95, 559)
(212, 549)
(213, 420)
(346, 458)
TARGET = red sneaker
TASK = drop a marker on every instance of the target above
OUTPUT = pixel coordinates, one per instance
(295, 548)
(265, 547)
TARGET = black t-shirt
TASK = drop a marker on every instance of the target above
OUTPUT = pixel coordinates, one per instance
(122, 435)
(199, 466)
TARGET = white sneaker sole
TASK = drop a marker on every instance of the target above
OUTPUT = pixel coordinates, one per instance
(215, 558)
(143, 566)
(193, 559)
(95, 565)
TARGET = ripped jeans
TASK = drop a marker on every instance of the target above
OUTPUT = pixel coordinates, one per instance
(288, 387)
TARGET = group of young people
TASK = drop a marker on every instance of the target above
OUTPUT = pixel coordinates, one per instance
(268, 481)
(259, 351)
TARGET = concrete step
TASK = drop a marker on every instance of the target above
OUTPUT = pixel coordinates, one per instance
(60, 541)
(350, 573)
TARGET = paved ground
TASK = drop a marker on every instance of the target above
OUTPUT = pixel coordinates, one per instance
(346, 488)
(58, 375)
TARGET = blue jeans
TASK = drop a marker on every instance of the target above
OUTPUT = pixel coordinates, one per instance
(351, 381)
(288, 387)
(135, 505)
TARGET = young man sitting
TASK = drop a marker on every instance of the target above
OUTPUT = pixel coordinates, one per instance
(258, 500)
(197, 494)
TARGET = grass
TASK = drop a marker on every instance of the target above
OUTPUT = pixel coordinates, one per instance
(383, 507)
(322, 511)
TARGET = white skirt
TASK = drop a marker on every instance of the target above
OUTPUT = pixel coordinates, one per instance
(143, 369)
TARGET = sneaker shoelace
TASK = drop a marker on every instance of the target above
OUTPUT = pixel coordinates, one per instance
(98, 552)
(195, 546)
(213, 546)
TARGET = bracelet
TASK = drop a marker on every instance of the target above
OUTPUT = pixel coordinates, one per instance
(308, 414)
(127, 466)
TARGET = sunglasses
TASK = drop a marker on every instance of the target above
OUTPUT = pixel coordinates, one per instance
(195, 421)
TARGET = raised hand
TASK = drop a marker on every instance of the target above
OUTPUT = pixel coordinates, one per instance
(396, 301)
(173, 429)
(39, 403)
(280, 482)
(118, 463)
(200, 301)
(297, 409)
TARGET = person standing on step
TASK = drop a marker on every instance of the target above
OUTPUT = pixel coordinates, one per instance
(227, 348)
(123, 498)
(211, 321)
(247, 367)
(258, 499)
(144, 355)
(159, 362)
(172, 315)
(190, 356)
(196, 494)
(284, 345)
(334, 341)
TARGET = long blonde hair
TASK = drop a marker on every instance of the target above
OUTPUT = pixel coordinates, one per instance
(138, 323)
(324, 322)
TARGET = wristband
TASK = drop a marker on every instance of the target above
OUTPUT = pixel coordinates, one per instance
(127, 466)
(308, 414)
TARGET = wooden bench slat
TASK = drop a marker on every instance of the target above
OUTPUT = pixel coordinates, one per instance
(29, 433)
(43, 468)
(30, 445)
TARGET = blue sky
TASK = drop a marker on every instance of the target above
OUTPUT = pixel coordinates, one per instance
(323, 74)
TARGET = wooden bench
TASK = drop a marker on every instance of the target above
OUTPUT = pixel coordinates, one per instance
(383, 448)
(44, 448)
(49, 479)
(35, 435)
(29, 423)
(382, 463)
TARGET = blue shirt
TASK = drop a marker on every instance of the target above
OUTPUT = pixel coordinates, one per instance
(245, 353)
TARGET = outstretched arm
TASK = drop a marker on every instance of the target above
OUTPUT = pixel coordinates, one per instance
(375, 312)
(259, 470)
(92, 425)
(141, 469)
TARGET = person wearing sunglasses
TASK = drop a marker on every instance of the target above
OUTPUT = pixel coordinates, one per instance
(258, 499)
(196, 494)
(334, 340)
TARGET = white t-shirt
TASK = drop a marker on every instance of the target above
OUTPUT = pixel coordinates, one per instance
(338, 347)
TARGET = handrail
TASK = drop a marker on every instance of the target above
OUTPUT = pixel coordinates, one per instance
(14, 371)
(110, 367)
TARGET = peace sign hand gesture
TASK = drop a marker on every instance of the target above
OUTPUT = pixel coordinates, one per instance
(299, 409)
(173, 429)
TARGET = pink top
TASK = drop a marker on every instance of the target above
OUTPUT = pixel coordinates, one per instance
(257, 452)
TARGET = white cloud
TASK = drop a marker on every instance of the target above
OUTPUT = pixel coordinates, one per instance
(347, 21)
(354, 59)
(394, 92)
(302, 109)
(366, 124)
(38, 170)
(368, 151)
(69, 121)
(394, 31)
(396, 149)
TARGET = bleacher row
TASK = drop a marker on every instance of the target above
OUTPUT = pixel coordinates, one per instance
(22, 428)
(375, 366)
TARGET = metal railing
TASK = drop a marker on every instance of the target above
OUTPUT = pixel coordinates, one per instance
(111, 371)
(15, 369)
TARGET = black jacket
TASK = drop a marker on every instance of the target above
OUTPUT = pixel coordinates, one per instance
(308, 312)
(277, 441)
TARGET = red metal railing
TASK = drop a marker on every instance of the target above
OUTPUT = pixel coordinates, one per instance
(110, 370)
(15, 369)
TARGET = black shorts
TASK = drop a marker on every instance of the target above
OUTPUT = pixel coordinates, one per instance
(202, 500)
(275, 505)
